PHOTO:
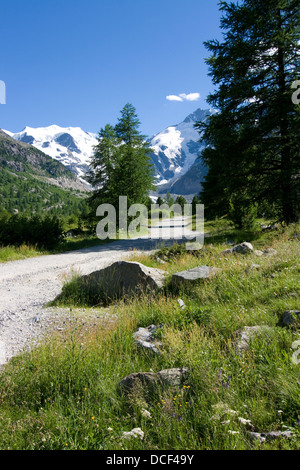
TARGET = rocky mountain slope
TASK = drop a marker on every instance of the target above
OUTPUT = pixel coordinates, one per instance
(175, 151)
(71, 146)
(31, 179)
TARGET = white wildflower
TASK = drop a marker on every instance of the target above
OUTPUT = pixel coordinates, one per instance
(233, 432)
(136, 432)
(145, 413)
(244, 421)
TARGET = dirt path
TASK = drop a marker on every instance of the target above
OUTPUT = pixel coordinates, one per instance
(27, 285)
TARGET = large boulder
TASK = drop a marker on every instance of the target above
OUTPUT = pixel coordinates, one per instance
(191, 276)
(122, 279)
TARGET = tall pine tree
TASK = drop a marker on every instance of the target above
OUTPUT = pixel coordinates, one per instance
(253, 153)
(121, 164)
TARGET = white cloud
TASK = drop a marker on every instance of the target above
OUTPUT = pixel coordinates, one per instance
(184, 97)
(190, 96)
(174, 98)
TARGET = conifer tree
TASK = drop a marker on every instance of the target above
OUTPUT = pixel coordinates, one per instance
(253, 152)
(121, 164)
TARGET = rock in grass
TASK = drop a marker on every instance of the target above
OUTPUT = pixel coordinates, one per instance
(122, 279)
(253, 267)
(258, 252)
(244, 336)
(172, 377)
(193, 275)
(149, 383)
(270, 252)
(291, 317)
(242, 248)
(145, 338)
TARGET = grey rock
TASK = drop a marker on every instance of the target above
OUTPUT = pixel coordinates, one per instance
(172, 377)
(242, 248)
(142, 384)
(192, 275)
(270, 251)
(145, 338)
(252, 267)
(124, 278)
(149, 383)
(244, 336)
(290, 317)
(258, 252)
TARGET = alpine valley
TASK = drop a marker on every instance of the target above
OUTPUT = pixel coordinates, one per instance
(175, 152)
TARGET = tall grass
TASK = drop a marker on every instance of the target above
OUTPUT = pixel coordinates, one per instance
(64, 394)
(12, 253)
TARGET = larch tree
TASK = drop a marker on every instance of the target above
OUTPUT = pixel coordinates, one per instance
(253, 145)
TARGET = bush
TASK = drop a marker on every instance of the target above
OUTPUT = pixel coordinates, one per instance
(243, 214)
(43, 232)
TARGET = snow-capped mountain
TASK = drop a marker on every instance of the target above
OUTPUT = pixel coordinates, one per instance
(71, 146)
(174, 156)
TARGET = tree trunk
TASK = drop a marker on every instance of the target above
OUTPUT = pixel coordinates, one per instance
(288, 210)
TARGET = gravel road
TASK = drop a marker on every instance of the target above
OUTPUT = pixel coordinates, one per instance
(27, 285)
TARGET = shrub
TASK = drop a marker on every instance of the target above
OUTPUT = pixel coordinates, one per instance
(44, 232)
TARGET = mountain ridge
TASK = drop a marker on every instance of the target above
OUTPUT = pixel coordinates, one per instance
(175, 151)
(33, 181)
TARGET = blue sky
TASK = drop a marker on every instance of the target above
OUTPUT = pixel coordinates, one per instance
(77, 63)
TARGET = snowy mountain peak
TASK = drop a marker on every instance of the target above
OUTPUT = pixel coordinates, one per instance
(175, 151)
(198, 115)
(72, 146)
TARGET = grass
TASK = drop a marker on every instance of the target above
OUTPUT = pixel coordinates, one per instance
(13, 253)
(64, 395)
